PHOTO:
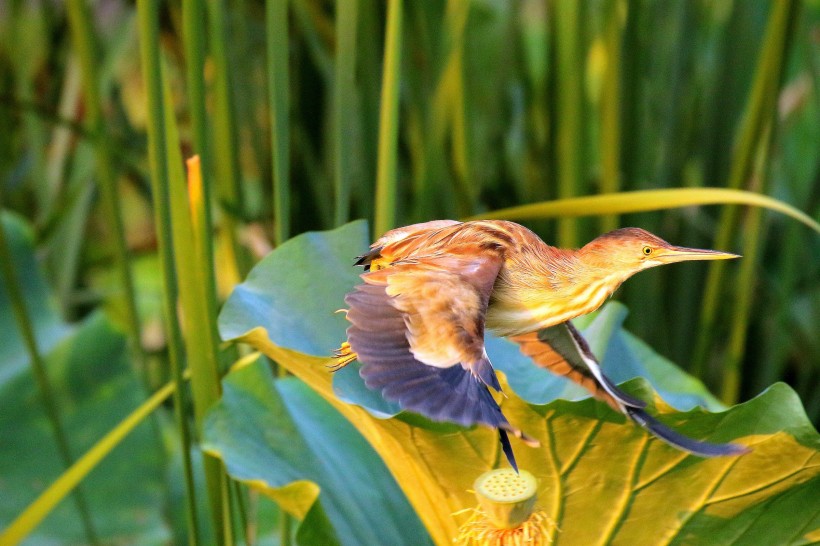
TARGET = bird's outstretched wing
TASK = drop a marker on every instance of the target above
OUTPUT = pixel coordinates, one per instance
(417, 327)
(562, 350)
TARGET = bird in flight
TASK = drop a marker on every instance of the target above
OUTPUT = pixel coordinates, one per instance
(430, 290)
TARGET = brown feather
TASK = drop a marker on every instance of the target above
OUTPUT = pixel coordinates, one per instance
(443, 310)
(543, 355)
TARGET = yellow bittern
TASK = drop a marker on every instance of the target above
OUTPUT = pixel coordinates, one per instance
(429, 291)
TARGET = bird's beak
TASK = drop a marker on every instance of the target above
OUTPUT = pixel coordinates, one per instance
(674, 254)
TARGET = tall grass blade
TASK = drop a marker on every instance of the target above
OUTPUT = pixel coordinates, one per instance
(317, 33)
(226, 156)
(611, 108)
(645, 201)
(344, 101)
(569, 70)
(369, 88)
(83, 34)
(284, 529)
(741, 309)
(387, 172)
(745, 288)
(147, 14)
(778, 352)
(456, 105)
(196, 304)
(537, 115)
(27, 52)
(72, 210)
(193, 35)
(276, 17)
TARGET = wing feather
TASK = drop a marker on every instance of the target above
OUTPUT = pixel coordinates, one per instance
(417, 327)
(442, 302)
(562, 350)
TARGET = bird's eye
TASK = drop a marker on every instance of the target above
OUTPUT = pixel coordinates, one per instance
(647, 251)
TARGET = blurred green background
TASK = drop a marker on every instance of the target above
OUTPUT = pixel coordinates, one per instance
(311, 113)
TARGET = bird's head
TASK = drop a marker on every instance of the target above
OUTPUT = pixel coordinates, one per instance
(629, 250)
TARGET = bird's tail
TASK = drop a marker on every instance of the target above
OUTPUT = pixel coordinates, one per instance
(696, 447)
(506, 447)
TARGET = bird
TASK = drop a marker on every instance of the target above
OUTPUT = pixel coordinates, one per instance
(430, 291)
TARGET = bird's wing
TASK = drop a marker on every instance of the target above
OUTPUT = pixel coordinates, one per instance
(562, 350)
(413, 230)
(396, 242)
(417, 327)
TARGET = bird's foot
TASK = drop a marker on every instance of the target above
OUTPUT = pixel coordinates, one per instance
(344, 355)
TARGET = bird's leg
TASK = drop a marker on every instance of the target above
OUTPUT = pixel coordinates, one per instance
(344, 355)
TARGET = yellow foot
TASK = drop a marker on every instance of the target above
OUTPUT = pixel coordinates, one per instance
(344, 356)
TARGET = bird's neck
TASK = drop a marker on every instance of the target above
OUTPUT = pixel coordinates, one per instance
(549, 287)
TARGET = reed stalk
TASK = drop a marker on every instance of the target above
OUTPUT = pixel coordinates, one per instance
(344, 102)
(760, 108)
(82, 34)
(147, 13)
(276, 18)
(386, 169)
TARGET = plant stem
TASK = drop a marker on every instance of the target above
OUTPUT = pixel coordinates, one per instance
(570, 97)
(147, 12)
(193, 23)
(276, 16)
(198, 306)
(344, 101)
(386, 176)
(466, 188)
(226, 155)
(742, 302)
(83, 40)
(284, 528)
(611, 110)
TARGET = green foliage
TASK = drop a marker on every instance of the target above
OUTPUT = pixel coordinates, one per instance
(600, 477)
(308, 113)
(95, 387)
(42, 306)
(283, 439)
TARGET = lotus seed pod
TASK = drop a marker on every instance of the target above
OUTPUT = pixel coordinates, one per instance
(507, 498)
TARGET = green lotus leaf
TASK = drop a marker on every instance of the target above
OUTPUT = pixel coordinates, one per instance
(281, 438)
(602, 479)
